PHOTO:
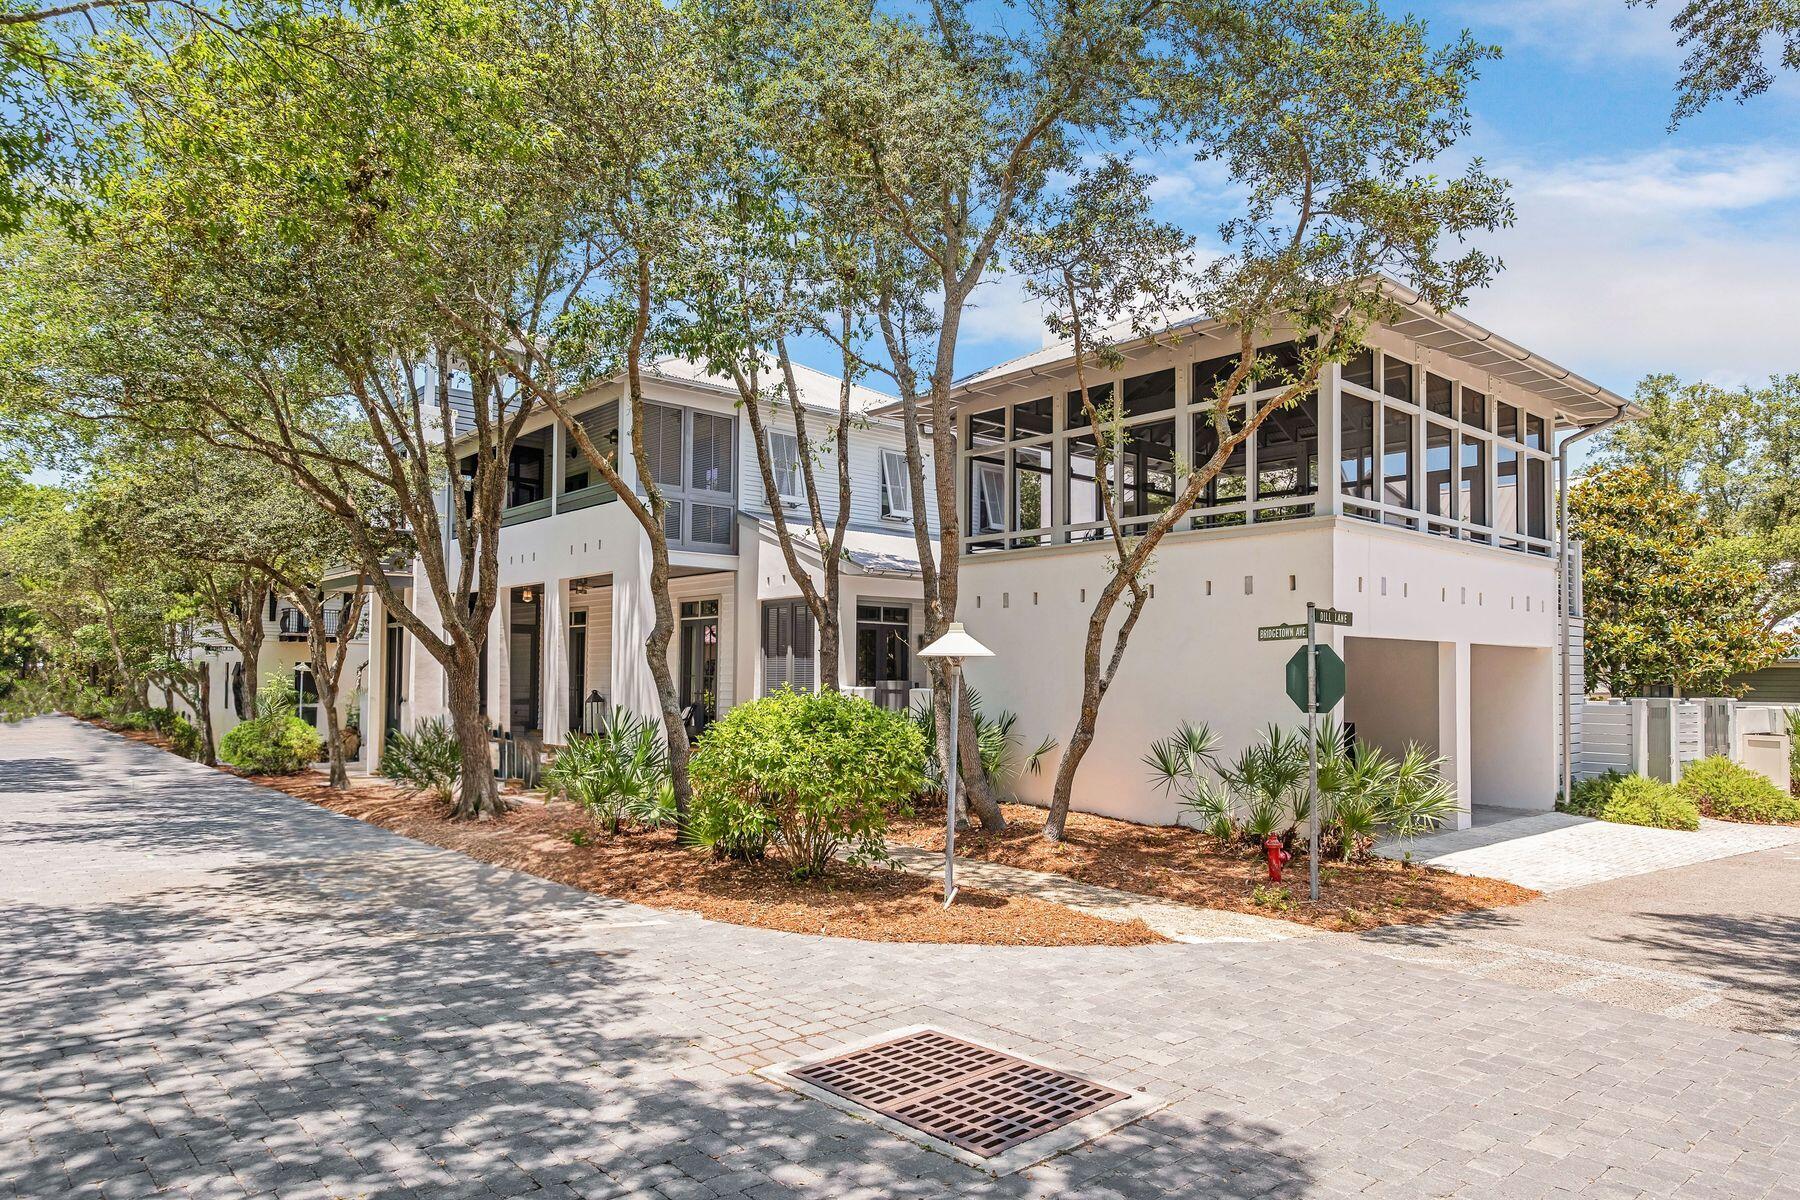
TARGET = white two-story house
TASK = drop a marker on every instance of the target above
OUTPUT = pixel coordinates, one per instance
(567, 638)
(1415, 490)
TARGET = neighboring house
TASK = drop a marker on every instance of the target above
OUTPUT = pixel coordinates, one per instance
(284, 656)
(1416, 491)
(1776, 684)
(575, 610)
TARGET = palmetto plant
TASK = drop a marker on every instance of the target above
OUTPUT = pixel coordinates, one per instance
(1187, 764)
(619, 773)
(1003, 758)
(1262, 790)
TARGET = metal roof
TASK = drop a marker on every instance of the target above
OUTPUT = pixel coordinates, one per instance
(1577, 401)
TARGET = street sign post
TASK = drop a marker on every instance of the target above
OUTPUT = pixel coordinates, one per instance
(1315, 683)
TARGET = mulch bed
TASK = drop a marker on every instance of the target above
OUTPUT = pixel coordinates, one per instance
(870, 904)
(866, 903)
(1187, 866)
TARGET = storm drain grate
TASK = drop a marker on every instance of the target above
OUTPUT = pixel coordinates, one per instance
(953, 1090)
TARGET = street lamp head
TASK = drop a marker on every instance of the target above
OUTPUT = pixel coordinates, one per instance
(956, 645)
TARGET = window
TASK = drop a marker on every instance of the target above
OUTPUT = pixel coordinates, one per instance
(1474, 409)
(1440, 396)
(1506, 420)
(884, 652)
(1031, 494)
(1231, 484)
(1507, 509)
(987, 428)
(1101, 398)
(1534, 432)
(1356, 454)
(987, 495)
(1287, 452)
(524, 475)
(1211, 375)
(693, 610)
(1153, 393)
(1440, 479)
(784, 459)
(307, 692)
(896, 485)
(1474, 481)
(1147, 468)
(1397, 458)
(1359, 369)
(1537, 498)
(1084, 501)
(1397, 378)
(1033, 418)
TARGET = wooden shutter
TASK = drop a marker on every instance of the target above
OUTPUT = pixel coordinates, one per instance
(662, 443)
(787, 646)
(711, 456)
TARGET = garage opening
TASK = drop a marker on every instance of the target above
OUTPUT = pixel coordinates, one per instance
(1512, 731)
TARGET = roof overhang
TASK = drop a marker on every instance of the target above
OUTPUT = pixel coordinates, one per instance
(345, 577)
(1577, 401)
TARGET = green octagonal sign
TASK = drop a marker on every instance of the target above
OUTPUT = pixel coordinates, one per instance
(1329, 675)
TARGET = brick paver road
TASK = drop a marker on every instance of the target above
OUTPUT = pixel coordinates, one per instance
(212, 990)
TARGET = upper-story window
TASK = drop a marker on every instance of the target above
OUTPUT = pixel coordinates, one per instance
(1414, 448)
(896, 485)
(784, 461)
(1455, 460)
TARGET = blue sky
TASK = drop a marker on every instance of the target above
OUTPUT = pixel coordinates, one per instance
(1636, 249)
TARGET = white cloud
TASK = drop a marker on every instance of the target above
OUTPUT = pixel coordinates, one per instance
(1585, 32)
(1670, 260)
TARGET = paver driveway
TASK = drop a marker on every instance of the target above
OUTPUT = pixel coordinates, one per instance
(214, 990)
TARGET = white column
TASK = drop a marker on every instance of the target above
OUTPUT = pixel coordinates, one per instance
(499, 660)
(558, 461)
(374, 710)
(1454, 726)
(1330, 418)
(554, 673)
(746, 613)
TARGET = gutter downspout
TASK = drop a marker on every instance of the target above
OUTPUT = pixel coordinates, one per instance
(1564, 593)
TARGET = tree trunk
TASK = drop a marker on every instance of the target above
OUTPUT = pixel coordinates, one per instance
(656, 650)
(325, 681)
(209, 751)
(478, 796)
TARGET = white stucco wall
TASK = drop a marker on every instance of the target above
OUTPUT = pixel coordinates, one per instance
(1194, 655)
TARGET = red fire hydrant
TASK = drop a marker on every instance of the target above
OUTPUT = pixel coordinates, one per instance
(1276, 855)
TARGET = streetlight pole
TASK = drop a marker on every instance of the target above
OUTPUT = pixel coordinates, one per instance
(951, 649)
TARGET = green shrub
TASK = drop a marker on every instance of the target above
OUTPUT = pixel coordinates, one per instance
(1589, 796)
(1731, 792)
(1790, 719)
(807, 773)
(1639, 800)
(429, 759)
(277, 744)
(619, 773)
(184, 739)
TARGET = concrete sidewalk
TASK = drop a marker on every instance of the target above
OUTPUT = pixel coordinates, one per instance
(1552, 851)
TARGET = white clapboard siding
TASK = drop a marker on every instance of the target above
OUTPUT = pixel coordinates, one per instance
(1576, 681)
(866, 445)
